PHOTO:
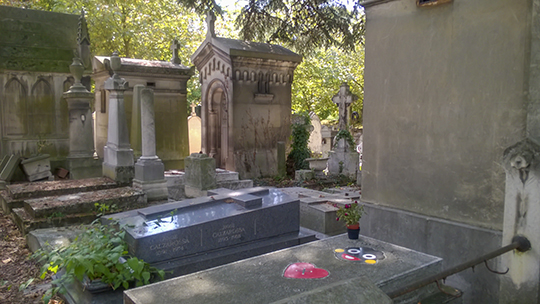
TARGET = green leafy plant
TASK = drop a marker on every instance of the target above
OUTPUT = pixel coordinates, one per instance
(350, 213)
(42, 144)
(344, 134)
(99, 253)
(103, 208)
(300, 138)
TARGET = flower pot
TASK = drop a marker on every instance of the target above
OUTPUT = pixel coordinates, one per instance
(353, 231)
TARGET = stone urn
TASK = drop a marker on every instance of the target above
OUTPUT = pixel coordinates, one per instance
(317, 164)
(37, 167)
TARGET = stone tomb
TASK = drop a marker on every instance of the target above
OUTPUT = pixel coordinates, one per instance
(205, 232)
(269, 279)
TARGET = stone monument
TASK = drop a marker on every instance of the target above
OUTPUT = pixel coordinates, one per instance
(245, 101)
(200, 174)
(118, 155)
(344, 158)
(521, 217)
(149, 169)
(81, 162)
(194, 129)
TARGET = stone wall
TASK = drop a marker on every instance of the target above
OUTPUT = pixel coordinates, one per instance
(36, 50)
(444, 96)
(36, 40)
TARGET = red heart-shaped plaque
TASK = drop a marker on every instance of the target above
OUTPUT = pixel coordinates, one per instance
(304, 271)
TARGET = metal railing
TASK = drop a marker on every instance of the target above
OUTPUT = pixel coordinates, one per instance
(520, 243)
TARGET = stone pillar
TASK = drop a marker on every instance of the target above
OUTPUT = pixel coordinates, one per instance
(135, 134)
(200, 174)
(81, 162)
(118, 155)
(149, 169)
(521, 217)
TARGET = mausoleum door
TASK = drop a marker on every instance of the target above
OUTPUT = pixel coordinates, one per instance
(219, 128)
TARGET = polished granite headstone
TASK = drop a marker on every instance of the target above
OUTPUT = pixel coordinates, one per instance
(199, 233)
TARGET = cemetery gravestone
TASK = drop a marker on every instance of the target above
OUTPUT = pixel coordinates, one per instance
(315, 137)
(200, 174)
(208, 231)
(118, 160)
(194, 127)
(149, 170)
(266, 279)
(344, 158)
(81, 162)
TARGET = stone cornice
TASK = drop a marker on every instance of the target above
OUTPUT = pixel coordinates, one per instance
(370, 3)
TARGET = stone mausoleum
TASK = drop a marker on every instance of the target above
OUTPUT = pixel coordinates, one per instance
(36, 51)
(168, 80)
(449, 85)
(246, 101)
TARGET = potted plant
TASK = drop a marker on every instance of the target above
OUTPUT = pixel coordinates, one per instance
(351, 214)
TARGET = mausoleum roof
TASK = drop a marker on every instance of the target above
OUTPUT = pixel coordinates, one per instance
(142, 66)
(234, 47)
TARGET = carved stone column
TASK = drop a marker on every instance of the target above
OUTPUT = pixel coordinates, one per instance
(81, 162)
(118, 156)
(522, 217)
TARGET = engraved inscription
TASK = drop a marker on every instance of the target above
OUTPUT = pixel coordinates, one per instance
(170, 246)
(228, 232)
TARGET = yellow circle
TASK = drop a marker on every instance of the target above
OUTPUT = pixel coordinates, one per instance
(371, 261)
(339, 250)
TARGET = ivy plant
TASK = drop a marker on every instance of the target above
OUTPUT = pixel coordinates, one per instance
(96, 254)
(347, 136)
(300, 138)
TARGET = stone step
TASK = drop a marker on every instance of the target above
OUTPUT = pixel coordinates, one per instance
(26, 223)
(85, 202)
(74, 209)
(224, 175)
(62, 187)
(15, 194)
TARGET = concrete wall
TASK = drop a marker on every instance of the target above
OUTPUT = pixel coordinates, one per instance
(454, 242)
(444, 96)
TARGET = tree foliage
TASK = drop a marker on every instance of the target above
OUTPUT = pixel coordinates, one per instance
(303, 25)
(323, 30)
(319, 76)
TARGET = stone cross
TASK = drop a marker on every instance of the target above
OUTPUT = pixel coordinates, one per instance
(210, 21)
(193, 106)
(344, 98)
(175, 47)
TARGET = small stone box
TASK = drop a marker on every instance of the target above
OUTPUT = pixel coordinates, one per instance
(200, 171)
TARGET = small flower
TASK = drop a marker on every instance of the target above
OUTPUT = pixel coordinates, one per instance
(346, 214)
(356, 202)
(337, 219)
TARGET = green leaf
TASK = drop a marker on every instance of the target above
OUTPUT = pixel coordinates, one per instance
(146, 276)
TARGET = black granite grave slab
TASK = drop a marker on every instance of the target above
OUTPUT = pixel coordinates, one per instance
(218, 222)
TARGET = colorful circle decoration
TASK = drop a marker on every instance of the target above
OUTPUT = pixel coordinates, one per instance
(359, 254)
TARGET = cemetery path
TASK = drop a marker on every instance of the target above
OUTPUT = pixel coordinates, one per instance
(16, 269)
